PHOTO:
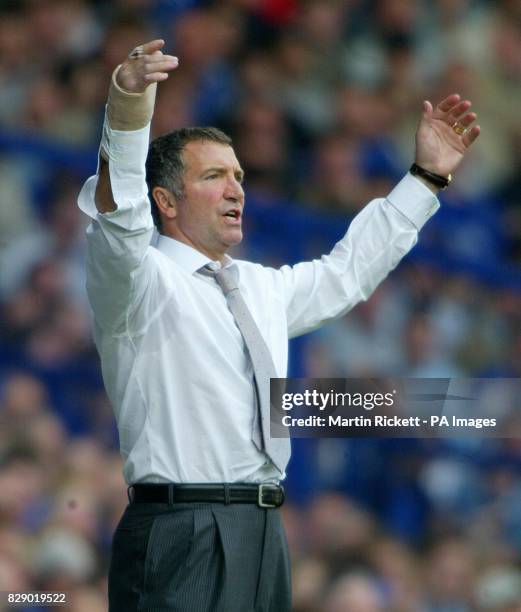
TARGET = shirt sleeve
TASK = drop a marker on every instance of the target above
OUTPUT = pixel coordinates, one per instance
(377, 239)
(118, 241)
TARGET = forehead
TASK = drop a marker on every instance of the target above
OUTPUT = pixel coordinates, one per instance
(201, 154)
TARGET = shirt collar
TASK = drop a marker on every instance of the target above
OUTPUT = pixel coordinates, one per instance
(185, 256)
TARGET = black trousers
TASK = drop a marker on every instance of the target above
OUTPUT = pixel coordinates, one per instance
(195, 557)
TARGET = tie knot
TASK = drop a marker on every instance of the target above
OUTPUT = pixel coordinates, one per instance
(224, 277)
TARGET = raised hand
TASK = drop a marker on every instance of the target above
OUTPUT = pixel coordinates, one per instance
(146, 64)
(444, 134)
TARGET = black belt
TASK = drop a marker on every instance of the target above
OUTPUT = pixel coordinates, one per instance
(265, 495)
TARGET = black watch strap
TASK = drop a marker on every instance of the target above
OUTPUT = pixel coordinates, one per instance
(442, 182)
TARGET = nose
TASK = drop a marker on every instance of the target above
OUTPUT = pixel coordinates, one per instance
(234, 190)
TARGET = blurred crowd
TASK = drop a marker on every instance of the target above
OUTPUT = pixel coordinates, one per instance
(321, 98)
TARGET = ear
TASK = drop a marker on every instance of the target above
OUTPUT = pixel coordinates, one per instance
(165, 202)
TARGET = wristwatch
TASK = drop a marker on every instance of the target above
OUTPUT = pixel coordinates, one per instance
(441, 182)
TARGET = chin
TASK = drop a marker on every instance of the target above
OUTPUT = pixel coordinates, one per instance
(233, 239)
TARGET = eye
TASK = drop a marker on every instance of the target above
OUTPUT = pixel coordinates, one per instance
(212, 176)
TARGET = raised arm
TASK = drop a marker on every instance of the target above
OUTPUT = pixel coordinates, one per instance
(385, 230)
(119, 273)
(131, 103)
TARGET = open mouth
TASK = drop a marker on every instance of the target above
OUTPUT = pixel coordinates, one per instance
(234, 214)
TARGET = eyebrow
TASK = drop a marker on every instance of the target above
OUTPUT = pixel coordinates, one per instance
(222, 170)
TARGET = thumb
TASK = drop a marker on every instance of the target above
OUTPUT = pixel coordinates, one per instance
(427, 109)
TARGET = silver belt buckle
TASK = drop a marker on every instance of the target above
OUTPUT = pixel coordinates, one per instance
(262, 503)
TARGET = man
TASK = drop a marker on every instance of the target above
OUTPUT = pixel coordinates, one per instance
(189, 337)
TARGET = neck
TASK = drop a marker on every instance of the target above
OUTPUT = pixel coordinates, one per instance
(214, 255)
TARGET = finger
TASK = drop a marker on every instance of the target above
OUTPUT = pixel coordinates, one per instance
(155, 77)
(467, 119)
(471, 135)
(458, 111)
(445, 105)
(165, 69)
(152, 46)
(161, 68)
(166, 62)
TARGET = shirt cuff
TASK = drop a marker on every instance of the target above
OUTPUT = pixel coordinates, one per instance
(414, 200)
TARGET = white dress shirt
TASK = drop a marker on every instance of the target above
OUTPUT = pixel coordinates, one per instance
(173, 360)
